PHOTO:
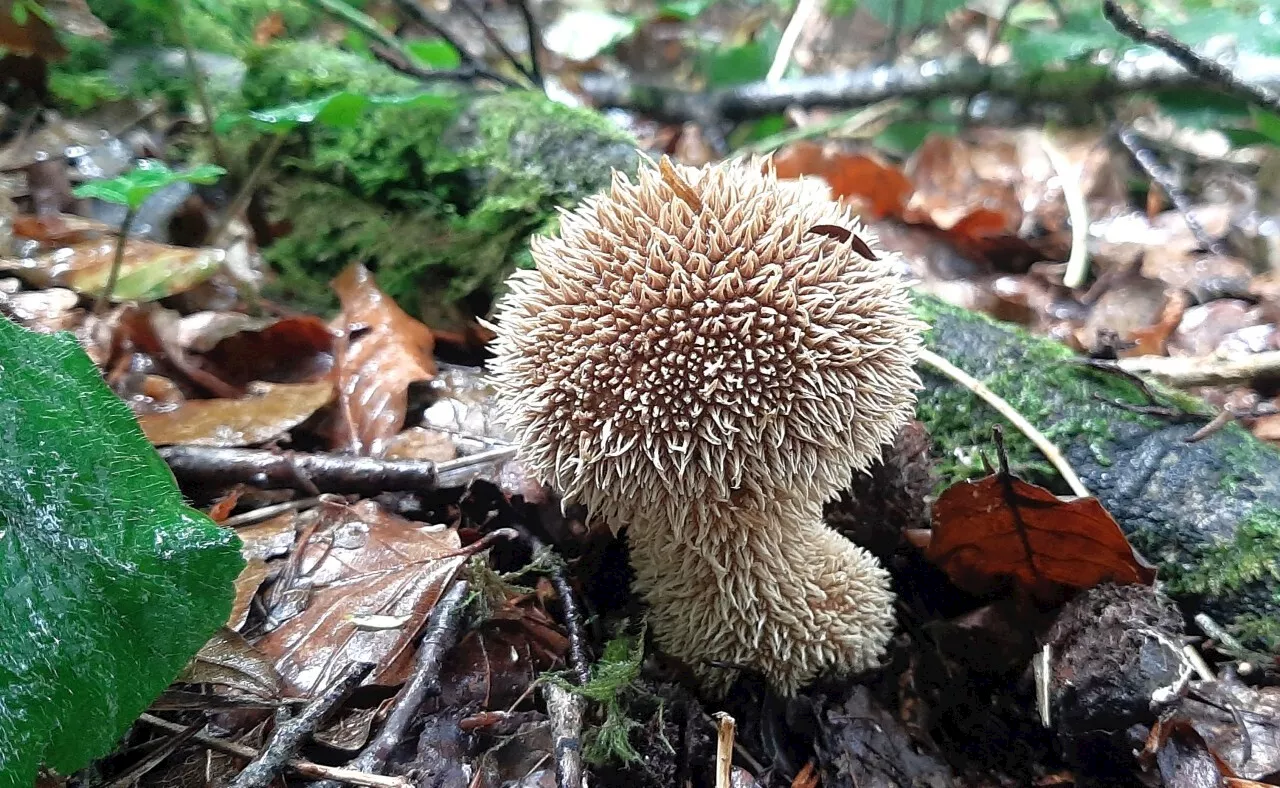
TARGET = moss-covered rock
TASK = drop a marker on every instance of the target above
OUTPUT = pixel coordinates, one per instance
(438, 200)
(1208, 512)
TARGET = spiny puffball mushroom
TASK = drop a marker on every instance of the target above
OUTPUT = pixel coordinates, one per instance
(706, 356)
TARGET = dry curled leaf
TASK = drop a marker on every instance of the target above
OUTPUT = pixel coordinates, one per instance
(388, 351)
(1000, 526)
(267, 413)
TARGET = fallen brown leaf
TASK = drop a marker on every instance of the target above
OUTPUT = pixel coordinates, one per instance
(247, 585)
(267, 413)
(230, 660)
(360, 562)
(877, 188)
(150, 271)
(388, 351)
(1000, 526)
(289, 350)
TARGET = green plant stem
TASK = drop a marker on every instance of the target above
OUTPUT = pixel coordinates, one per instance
(197, 84)
(245, 194)
(122, 239)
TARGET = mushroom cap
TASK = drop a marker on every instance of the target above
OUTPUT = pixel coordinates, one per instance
(689, 338)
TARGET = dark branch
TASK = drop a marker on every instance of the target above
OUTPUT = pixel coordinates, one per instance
(1165, 179)
(441, 634)
(215, 467)
(496, 40)
(288, 737)
(578, 660)
(1209, 70)
(535, 41)
(415, 11)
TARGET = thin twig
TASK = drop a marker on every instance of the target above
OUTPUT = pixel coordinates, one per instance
(418, 13)
(1167, 182)
(1204, 370)
(496, 40)
(289, 736)
(1077, 214)
(535, 41)
(143, 767)
(332, 473)
(245, 194)
(1204, 68)
(264, 513)
(441, 634)
(805, 9)
(197, 84)
(579, 664)
(966, 115)
(1037, 438)
(304, 768)
(725, 728)
(855, 123)
(565, 709)
(117, 262)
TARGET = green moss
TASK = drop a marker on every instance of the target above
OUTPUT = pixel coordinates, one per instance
(439, 201)
(1034, 383)
(1252, 556)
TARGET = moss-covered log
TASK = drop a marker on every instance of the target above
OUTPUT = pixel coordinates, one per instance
(1208, 511)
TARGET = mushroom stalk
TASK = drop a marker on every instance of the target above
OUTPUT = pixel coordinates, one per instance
(770, 588)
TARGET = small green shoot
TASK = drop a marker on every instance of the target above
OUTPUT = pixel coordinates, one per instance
(131, 189)
(611, 686)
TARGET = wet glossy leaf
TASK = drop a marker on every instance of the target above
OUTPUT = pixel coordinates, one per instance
(1000, 527)
(111, 582)
(132, 188)
(289, 350)
(264, 415)
(390, 352)
(229, 660)
(150, 271)
(340, 109)
(360, 561)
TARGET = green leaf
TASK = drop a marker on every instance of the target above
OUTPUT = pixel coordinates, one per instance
(1267, 124)
(110, 583)
(684, 10)
(1084, 34)
(744, 63)
(341, 109)
(435, 53)
(915, 13)
(132, 188)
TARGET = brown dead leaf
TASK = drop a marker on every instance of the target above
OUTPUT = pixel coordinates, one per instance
(1000, 526)
(223, 507)
(877, 188)
(388, 351)
(1229, 704)
(417, 443)
(289, 350)
(247, 585)
(807, 778)
(59, 229)
(360, 562)
(230, 660)
(150, 271)
(268, 412)
(270, 539)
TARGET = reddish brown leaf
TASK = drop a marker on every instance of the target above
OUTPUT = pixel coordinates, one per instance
(290, 350)
(360, 563)
(1001, 526)
(844, 234)
(807, 778)
(262, 416)
(223, 507)
(678, 184)
(880, 189)
(375, 372)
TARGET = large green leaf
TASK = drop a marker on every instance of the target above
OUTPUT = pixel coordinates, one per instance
(109, 584)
